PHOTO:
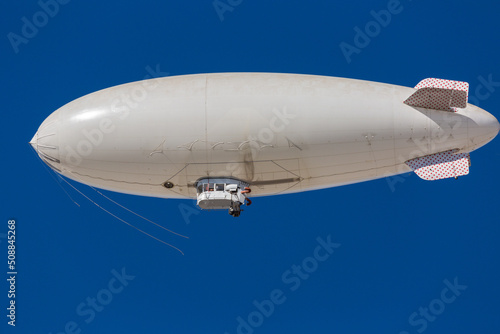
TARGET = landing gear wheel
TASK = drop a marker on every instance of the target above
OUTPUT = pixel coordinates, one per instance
(234, 209)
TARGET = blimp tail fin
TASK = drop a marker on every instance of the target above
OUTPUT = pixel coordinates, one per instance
(441, 165)
(439, 94)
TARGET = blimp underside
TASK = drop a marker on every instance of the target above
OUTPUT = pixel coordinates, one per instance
(265, 133)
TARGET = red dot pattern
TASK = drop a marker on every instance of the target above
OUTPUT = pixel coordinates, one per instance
(440, 94)
(441, 165)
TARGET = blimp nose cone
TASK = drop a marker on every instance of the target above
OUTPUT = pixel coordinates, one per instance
(34, 140)
(46, 142)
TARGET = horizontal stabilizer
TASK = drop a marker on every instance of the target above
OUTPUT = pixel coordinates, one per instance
(441, 165)
(439, 94)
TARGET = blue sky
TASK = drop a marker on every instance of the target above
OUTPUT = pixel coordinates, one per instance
(400, 243)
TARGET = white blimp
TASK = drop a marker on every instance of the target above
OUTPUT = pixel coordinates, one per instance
(222, 138)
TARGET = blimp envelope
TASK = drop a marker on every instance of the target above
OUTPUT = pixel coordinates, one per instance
(441, 165)
(274, 133)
